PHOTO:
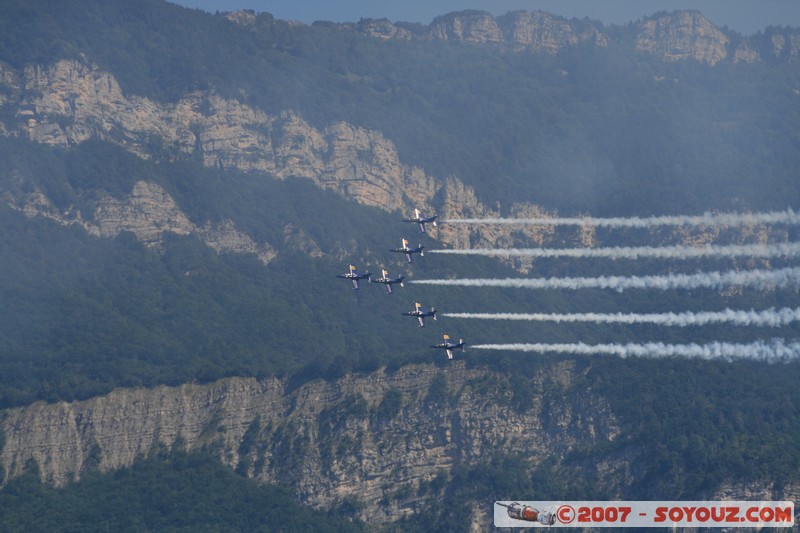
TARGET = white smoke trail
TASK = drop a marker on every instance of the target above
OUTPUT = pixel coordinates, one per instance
(758, 279)
(664, 252)
(727, 219)
(775, 351)
(768, 318)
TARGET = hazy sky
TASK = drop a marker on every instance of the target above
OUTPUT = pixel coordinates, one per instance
(744, 16)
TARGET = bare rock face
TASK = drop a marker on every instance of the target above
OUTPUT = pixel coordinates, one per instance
(682, 35)
(775, 43)
(786, 44)
(70, 102)
(148, 212)
(467, 26)
(375, 437)
(540, 31)
(382, 29)
(760, 491)
(745, 53)
(225, 238)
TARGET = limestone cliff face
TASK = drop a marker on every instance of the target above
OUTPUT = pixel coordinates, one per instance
(682, 35)
(521, 30)
(467, 26)
(382, 29)
(540, 31)
(69, 102)
(785, 43)
(375, 437)
(148, 212)
(679, 35)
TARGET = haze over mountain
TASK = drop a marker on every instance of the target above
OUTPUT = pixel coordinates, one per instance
(180, 189)
(744, 16)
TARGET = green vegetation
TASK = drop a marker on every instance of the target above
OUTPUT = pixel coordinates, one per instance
(604, 130)
(179, 492)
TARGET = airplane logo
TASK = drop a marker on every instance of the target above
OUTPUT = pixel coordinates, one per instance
(354, 276)
(386, 280)
(420, 314)
(419, 219)
(408, 251)
(449, 346)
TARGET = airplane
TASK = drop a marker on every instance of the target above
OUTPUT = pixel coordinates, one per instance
(450, 346)
(386, 280)
(354, 276)
(419, 219)
(420, 314)
(408, 251)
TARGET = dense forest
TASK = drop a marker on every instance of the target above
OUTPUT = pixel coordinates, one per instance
(165, 492)
(607, 131)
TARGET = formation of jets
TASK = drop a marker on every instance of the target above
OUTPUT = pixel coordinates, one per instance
(388, 281)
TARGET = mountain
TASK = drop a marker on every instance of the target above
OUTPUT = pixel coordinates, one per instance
(179, 191)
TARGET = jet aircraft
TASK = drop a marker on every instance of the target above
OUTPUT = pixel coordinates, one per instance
(419, 219)
(355, 276)
(449, 346)
(408, 250)
(386, 280)
(420, 314)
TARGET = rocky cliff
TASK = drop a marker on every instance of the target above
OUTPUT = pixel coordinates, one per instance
(69, 102)
(148, 212)
(679, 35)
(375, 438)
(682, 35)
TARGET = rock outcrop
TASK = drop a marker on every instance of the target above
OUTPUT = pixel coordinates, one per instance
(682, 35)
(675, 36)
(466, 26)
(375, 438)
(69, 102)
(148, 212)
(538, 30)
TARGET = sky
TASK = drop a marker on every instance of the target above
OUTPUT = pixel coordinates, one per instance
(745, 16)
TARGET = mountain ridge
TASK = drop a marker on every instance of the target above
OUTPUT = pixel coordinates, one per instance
(670, 36)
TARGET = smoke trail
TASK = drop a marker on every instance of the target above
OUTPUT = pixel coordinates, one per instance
(775, 351)
(664, 252)
(758, 279)
(728, 219)
(768, 318)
